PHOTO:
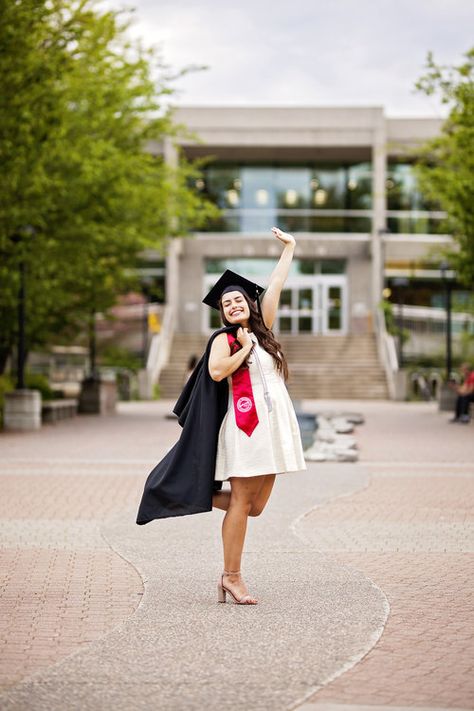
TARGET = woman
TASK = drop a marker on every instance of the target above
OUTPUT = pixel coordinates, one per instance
(238, 422)
(250, 458)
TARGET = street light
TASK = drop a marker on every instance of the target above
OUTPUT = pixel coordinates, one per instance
(444, 267)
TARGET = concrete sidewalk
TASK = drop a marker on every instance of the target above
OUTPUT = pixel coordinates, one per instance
(363, 573)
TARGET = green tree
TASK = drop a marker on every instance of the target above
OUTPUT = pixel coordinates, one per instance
(445, 166)
(79, 109)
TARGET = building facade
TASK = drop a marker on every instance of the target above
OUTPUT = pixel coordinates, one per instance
(339, 179)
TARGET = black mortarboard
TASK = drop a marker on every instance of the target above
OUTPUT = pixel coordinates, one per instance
(230, 281)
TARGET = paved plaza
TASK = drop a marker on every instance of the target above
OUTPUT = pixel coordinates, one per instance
(364, 574)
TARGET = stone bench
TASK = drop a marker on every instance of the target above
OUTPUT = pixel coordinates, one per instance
(55, 410)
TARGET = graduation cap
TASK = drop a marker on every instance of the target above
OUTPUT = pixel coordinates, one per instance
(230, 281)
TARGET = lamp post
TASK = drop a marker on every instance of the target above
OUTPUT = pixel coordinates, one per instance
(22, 409)
(18, 239)
(444, 267)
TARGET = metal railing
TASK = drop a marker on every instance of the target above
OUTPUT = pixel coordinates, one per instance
(387, 352)
(425, 327)
(160, 345)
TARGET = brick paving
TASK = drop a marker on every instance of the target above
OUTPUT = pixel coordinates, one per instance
(55, 601)
(412, 532)
(61, 586)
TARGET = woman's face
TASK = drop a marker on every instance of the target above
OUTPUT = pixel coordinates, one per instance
(235, 307)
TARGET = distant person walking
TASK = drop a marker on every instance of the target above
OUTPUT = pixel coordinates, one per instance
(465, 394)
(239, 424)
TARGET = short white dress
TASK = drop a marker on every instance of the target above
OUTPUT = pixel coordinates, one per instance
(275, 445)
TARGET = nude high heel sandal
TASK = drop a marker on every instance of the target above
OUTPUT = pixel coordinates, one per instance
(222, 591)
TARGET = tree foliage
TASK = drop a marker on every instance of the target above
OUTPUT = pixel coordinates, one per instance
(445, 166)
(80, 195)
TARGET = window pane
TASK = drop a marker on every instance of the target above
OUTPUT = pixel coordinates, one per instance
(402, 189)
(305, 299)
(263, 194)
(333, 266)
(285, 323)
(285, 299)
(215, 319)
(334, 308)
(307, 266)
(305, 323)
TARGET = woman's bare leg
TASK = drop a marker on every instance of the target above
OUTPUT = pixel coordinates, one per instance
(221, 500)
(234, 527)
(263, 495)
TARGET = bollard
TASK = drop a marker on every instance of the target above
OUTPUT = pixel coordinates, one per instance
(22, 410)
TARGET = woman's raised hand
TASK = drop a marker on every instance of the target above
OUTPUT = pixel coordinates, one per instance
(243, 337)
(283, 236)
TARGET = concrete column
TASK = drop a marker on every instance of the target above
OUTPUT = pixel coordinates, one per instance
(174, 246)
(379, 171)
(170, 155)
(173, 253)
(22, 410)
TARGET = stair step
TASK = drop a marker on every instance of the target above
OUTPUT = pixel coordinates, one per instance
(318, 365)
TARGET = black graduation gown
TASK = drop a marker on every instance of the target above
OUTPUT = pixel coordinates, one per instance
(183, 481)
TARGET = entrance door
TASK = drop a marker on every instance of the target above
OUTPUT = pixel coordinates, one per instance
(334, 306)
(314, 305)
(299, 309)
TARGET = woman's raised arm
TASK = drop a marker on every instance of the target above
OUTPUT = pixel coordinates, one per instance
(271, 297)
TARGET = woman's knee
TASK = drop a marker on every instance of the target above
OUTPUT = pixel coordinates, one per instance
(241, 504)
(256, 509)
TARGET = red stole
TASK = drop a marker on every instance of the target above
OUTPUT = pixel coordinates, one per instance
(244, 404)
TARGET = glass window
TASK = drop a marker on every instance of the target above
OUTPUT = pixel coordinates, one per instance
(215, 319)
(222, 184)
(334, 308)
(333, 266)
(305, 324)
(307, 266)
(264, 194)
(259, 267)
(285, 299)
(305, 298)
(402, 189)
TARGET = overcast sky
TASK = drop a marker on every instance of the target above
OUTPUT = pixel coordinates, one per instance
(306, 52)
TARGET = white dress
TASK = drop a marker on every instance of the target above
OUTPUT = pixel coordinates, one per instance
(275, 445)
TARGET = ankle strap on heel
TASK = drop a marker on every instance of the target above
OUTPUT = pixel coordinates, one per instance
(232, 572)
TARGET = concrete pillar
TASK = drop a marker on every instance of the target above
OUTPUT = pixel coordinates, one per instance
(174, 246)
(173, 254)
(379, 225)
(145, 385)
(170, 155)
(22, 410)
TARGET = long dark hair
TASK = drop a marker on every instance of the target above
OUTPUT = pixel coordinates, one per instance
(264, 336)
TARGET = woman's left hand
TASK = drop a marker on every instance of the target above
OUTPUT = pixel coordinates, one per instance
(283, 236)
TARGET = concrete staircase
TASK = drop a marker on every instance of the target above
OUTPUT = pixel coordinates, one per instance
(320, 366)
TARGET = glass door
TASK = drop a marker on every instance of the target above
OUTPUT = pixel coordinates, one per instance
(298, 311)
(313, 306)
(334, 306)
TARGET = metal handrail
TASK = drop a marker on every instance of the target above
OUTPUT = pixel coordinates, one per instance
(387, 352)
(160, 346)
